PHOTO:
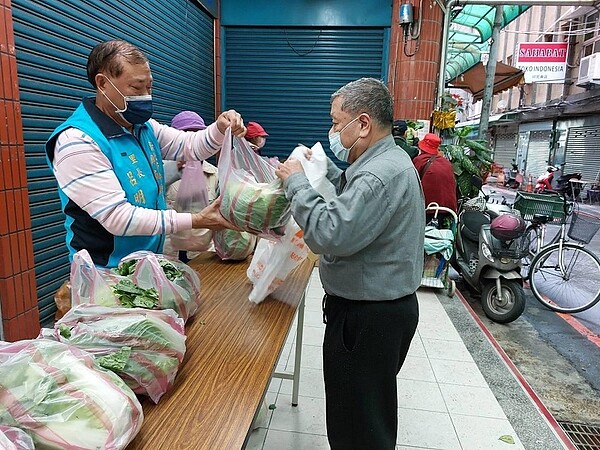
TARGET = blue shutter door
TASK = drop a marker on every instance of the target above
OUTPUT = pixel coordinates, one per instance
(283, 78)
(53, 40)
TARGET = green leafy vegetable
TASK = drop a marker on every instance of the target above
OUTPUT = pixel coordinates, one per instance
(115, 361)
(64, 331)
(39, 379)
(127, 268)
(131, 295)
(255, 207)
(171, 272)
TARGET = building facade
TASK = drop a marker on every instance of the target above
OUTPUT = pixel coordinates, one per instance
(277, 66)
(551, 123)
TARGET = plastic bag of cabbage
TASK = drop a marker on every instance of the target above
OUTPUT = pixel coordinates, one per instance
(12, 438)
(234, 245)
(63, 399)
(144, 347)
(142, 279)
(252, 197)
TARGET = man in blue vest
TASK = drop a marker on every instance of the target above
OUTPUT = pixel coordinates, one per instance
(107, 159)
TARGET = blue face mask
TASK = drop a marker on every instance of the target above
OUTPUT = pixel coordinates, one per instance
(138, 108)
(336, 146)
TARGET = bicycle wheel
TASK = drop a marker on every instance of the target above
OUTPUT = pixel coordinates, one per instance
(573, 289)
(532, 231)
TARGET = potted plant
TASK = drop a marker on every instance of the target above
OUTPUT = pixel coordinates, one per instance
(468, 157)
(444, 118)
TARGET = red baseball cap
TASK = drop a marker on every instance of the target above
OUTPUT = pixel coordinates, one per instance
(430, 144)
(254, 129)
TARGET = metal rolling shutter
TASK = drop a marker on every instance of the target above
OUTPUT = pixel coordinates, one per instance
(283, 77)
(583, 152)
(505, 149)
(53, 40)
(538, 153)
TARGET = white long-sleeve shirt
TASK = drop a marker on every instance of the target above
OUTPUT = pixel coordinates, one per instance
(86, 176)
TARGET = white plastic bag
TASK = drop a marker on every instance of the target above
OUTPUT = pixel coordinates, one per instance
(252, 197)
(315, 169)
(63, 399)
(178, 291)
(143, 347)
(192, 197)
(273, 261)
(12, 438)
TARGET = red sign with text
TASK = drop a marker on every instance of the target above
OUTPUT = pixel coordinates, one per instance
(543, 62)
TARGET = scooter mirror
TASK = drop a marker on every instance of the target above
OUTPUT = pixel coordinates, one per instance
(476, 181)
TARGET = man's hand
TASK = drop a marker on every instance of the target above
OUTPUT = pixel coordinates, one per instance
(307, 151)
(210, 217)
(231, 119)
(292, 165)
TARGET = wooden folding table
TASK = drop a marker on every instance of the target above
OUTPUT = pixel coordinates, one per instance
(233, 346)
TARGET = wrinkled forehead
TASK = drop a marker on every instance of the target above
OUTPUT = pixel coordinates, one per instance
(135, 71)
(336, 109)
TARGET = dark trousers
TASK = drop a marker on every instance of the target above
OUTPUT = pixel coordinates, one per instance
(365, 345)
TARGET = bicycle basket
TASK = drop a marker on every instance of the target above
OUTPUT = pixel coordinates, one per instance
(583, 227)
(541, 204)
(516, 249)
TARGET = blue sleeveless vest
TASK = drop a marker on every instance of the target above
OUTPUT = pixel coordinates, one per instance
(137, 163)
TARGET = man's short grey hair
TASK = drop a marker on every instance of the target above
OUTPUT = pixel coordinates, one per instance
(109, 56)
(368, 95)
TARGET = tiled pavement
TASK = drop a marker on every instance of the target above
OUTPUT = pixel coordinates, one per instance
(455, 391)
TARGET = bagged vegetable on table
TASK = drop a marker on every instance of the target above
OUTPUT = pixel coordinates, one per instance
(234, 245)
(63, 399)
(252, 197)
(12, 438)
(273, 261)
(142, 279)
(144, 347)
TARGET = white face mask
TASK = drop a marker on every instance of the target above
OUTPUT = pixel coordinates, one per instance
(336, 146)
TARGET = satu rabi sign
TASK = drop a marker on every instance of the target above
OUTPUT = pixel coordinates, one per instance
(543, 62)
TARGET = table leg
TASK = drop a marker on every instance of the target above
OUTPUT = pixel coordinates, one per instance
(295, 376)
(298, 355)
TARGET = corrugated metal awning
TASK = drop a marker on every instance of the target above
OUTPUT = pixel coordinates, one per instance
(470, 31)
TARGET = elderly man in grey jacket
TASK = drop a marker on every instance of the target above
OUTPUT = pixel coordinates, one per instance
(370, 238)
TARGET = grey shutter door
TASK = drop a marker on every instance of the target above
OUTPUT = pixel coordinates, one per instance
(53, 40)
(538, 153)
(583, 152)
(283, 78)
(505, 149)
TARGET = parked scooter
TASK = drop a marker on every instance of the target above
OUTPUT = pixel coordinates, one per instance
(514, 178)
(488, 256)
(563, 185)
(544, 182)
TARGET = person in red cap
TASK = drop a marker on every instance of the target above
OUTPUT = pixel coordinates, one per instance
(436, 173)
(256, 136)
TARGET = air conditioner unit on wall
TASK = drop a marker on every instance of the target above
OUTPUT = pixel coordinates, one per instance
(589, 70)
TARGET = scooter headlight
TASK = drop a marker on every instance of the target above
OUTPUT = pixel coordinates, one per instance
(487, 252)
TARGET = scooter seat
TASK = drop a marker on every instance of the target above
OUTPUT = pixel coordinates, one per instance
(472, 221)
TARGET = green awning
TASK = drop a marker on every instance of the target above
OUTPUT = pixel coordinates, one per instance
(470, 32)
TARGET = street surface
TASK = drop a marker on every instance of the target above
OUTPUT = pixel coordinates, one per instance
(559, 355)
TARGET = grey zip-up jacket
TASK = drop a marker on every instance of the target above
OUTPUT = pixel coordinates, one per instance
(370, 236)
